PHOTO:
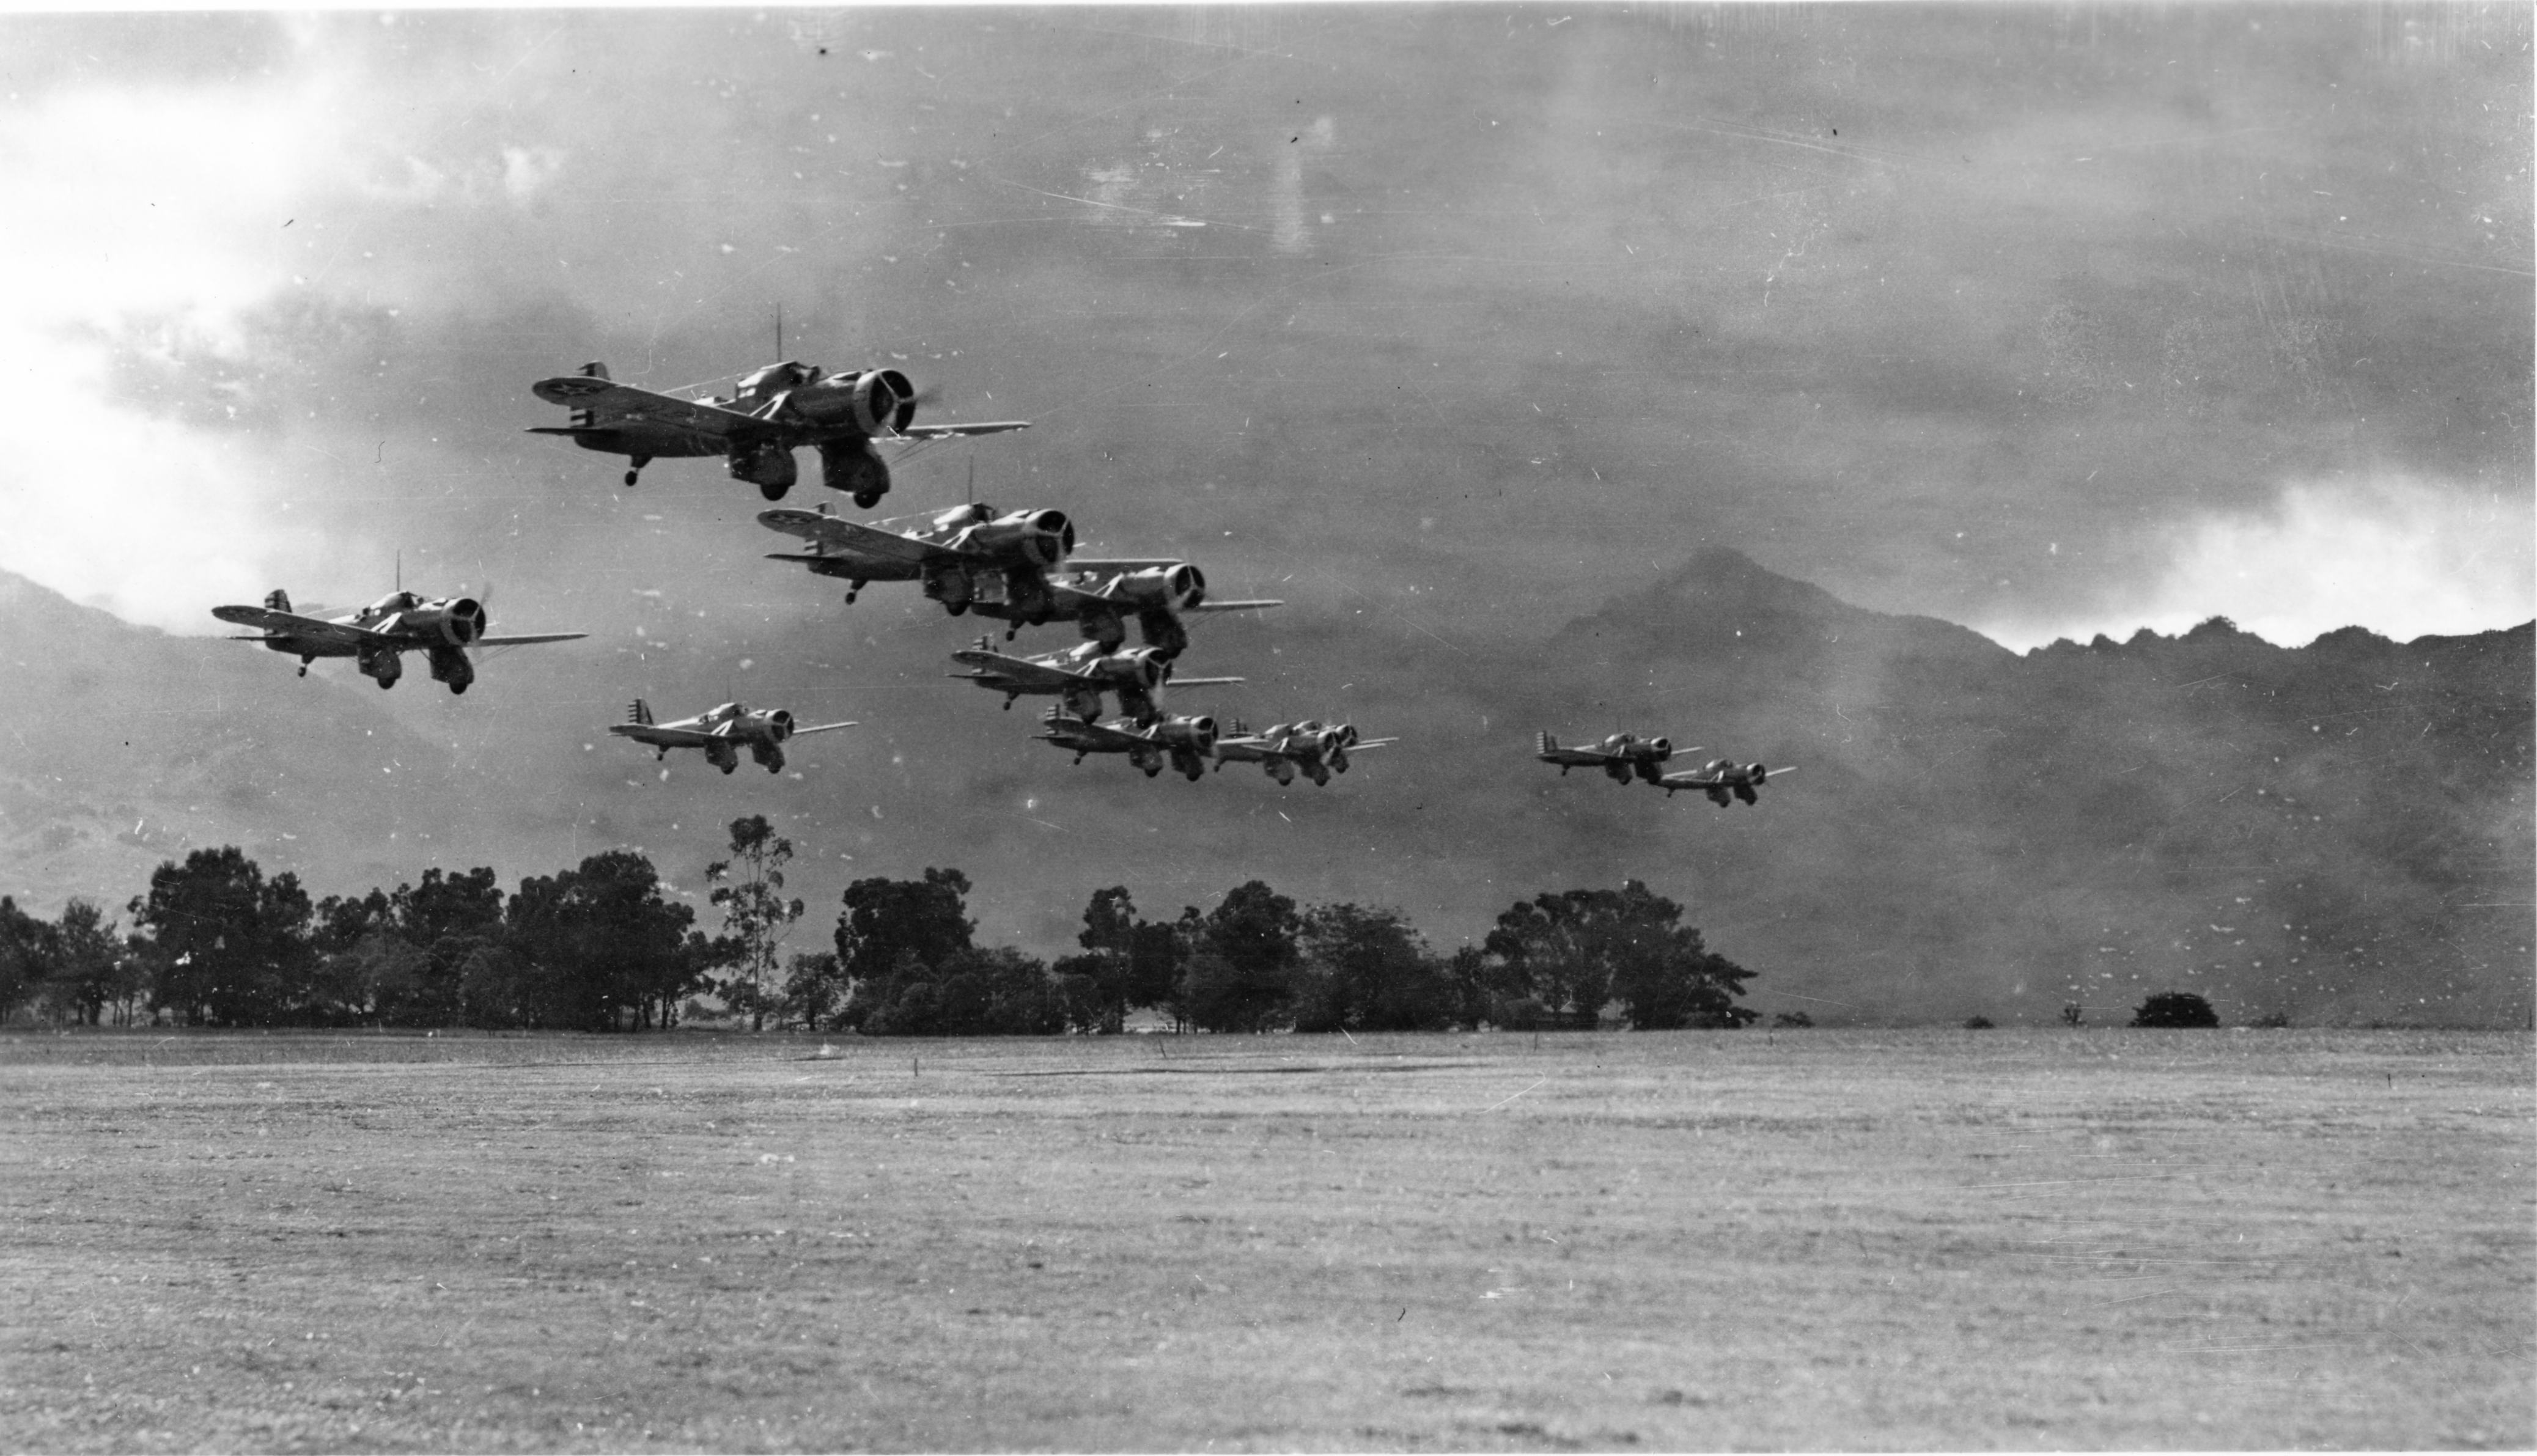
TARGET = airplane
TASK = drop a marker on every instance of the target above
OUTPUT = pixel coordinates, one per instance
(377, 636)
(1720, 777)
(1619, 756)
(720, 731)
(774, 410)
(1101, 595)
(1184, 742)
(1079, 675)
(966, 557)
(1317, 748)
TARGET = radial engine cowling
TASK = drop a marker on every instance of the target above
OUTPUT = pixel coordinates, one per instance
(1659, 749)
(779, 726)
(1761, 773)
(458, 621)
(1041, 537)
(1146, 666)
(1197, 735)
(1177, 586)
(882, 401)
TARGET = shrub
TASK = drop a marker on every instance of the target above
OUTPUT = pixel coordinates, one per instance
(1792, 1019)
(1977, 1024)
(2176, 1009)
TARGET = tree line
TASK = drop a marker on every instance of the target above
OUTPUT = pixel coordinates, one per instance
(605, 946)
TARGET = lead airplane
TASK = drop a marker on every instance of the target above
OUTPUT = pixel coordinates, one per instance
(377, 636)
(1720, 778)
(1619, 756)
(1317, 748)
(773, 411)
(966, 557)
(720, 731)
(1079, 675)
(1183, 742)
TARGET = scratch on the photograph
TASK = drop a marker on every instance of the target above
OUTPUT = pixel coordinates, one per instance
(1493, 1106)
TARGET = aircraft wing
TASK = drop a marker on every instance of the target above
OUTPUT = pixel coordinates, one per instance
(612, 402)
(316, 629)
(1201, 682)
(819, 727)
(1583, 758)
(952, 432)
(1118, 563)
(527, 639)
(1084, 731)
(661, 734)
(1363, 743)
(849, 541)
(1021, 671)
(1233, 605)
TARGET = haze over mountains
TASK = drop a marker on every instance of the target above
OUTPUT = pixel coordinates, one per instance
(2340, 832)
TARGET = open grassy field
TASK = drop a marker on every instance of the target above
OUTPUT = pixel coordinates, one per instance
(1815, 1239)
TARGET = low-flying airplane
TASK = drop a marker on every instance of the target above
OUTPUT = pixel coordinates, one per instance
(1621, 756)
(377, 636)
(1101, 595)
(774, 410)
(1720, 778)
(967, 556)
(1183, 742)
(1079, 675)
(720, 731)
(1319, 749)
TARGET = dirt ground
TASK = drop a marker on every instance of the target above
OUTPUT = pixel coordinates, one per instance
(1816, 1239)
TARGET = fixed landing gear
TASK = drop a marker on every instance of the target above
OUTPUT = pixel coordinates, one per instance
(852, 591)
(866, 499)
(1010, 628)
(774, 492)
(457, 688)
(634, 468)
(304, 669)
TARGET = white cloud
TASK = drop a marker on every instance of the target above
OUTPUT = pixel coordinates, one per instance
(143, 212)
(2403, 557)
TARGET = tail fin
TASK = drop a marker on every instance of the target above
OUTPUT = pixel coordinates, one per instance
(1548, 744)
(639, 711)
(277, 601)
(592, 370)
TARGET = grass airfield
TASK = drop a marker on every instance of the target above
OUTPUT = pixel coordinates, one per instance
(1812, 1240)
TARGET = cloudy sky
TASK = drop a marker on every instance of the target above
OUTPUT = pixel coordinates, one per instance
(1437, 322)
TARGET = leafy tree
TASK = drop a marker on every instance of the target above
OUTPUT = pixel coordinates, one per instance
(90, 964)
(233, 944)
(815, 989)
(1107, 969)
(897, 933)
(28, 950)
(1239, 977)
(2174, 1009)
(1155, 953)
(756, 915)
(1367, 970)
(1574, 951)
(602, 945)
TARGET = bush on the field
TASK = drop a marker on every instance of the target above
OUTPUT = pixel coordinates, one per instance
(2271, 1021)
(1797, 1020)
(2174, 1009)
(1977, 1023)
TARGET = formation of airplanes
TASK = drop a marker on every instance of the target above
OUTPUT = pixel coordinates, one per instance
(1017, 567)
(1627, 756)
